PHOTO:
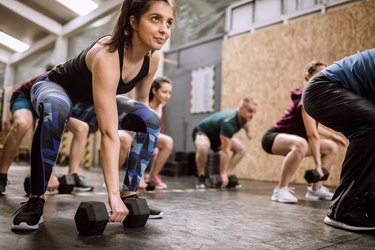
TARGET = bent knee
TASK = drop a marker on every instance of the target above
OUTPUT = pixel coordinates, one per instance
(21, 126)
(331, 148)
(300, 146)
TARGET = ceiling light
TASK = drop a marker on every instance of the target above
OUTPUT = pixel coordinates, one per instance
(13, 43)
(81, 7)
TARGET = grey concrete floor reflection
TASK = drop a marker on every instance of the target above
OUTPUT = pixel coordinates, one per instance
(193, 219)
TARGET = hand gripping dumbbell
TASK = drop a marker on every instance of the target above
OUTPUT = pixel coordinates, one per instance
(66, 186)
(91, 217)
(312, 175)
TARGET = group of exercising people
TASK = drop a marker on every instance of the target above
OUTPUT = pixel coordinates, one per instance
(89, 88)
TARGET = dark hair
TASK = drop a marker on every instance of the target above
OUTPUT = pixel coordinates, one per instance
(122, 31)
(156, 84)
(247, 101)
(312, 67)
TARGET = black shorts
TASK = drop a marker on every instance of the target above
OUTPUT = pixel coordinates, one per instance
(215, 144)
(268, 139)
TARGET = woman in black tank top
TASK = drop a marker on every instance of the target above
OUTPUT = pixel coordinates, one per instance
(92, 81)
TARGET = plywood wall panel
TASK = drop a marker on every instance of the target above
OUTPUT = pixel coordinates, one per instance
(268, 63)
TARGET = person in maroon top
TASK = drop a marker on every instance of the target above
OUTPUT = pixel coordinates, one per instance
(295, 136)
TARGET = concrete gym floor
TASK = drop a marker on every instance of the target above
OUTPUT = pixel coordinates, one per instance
(193, 219)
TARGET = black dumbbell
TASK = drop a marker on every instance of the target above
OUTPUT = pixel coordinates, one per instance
(312, 175)
(91, 217)
(233, 182)
(66, 186)
(215, 181)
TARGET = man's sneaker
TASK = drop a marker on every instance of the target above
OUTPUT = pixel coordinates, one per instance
(351, 221)
(284, 195)
(321, 193)
(29, 216)
(355, 213)
(3, 183)
(233, 182)
(158, 183)
(81, 184)
(155, 213)
(201, 183)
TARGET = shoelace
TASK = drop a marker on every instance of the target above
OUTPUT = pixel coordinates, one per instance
(24, 204)
(28, 205)
(291, 189)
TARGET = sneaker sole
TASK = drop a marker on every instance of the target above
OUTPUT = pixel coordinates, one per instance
(156, 216)
(160, 188)
(283, 201)
(317, 198)
(24, 226)
(312, 198)
(88, 189)
(338, 224)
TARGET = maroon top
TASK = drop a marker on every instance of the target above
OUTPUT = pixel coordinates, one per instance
(291, 122)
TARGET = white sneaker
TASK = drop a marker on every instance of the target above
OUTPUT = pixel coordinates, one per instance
(319, 194)
(284, 195)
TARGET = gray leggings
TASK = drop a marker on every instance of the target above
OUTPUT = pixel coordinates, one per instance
(353, 115)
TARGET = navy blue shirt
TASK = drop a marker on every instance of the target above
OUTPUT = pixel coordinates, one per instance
(355, 72)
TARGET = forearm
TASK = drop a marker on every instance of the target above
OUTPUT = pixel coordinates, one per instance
(315, 149)
(109, 153)
(224, 161)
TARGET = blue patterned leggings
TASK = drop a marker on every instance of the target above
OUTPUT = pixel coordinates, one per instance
(54, 107)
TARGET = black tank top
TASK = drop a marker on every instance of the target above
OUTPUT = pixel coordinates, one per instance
(76, 78)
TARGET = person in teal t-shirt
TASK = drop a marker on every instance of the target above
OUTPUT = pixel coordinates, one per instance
(216, 132)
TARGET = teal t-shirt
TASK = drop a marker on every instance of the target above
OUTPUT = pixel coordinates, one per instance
(223, 123)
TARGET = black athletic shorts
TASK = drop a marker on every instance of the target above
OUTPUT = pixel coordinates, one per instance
(215, 144)
(268, 139)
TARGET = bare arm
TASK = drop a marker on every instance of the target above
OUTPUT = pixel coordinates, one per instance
(248, 131)
(105, 79)
(332, 136)
(313, 139)
(225, 154)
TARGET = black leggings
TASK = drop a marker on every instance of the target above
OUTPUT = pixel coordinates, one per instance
(354, 116)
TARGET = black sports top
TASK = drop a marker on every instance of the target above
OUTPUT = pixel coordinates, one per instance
(76, 78)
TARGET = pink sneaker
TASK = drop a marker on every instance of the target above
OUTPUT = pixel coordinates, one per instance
(158, 183)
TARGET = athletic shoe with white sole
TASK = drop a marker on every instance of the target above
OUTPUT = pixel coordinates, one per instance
(284, 195)
(321, 193)
(29, 216)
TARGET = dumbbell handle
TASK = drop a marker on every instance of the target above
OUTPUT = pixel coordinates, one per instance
(313, 176)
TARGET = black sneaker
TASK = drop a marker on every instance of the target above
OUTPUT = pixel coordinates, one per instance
(81, 184)
(29, 216)
(351, 221)
(3, 183)
(354, 216)
(233, 182)
(201, 183)
(155, 213)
